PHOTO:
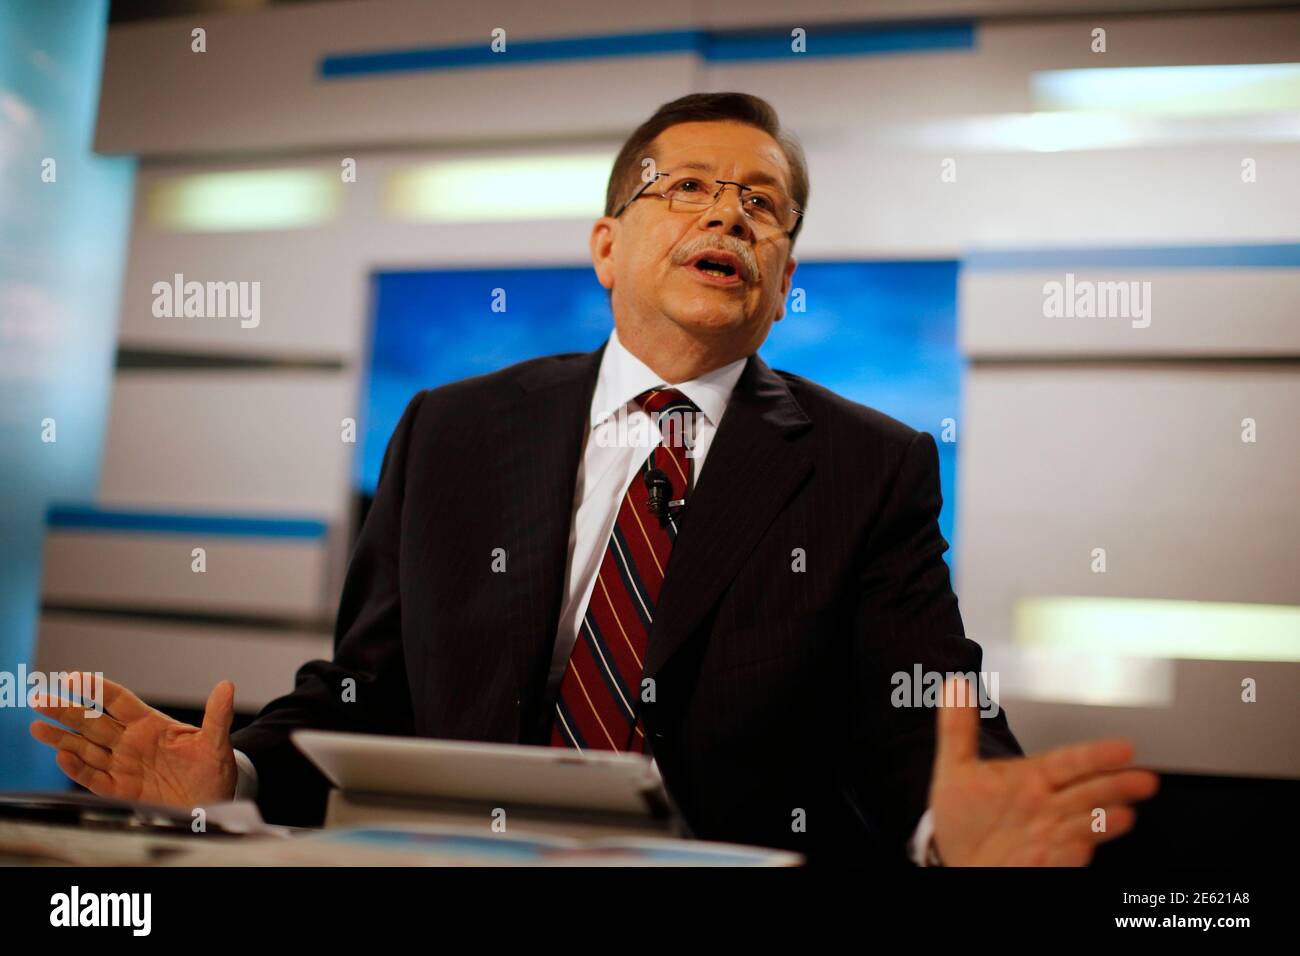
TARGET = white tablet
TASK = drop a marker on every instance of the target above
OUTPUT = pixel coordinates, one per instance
(490, 773)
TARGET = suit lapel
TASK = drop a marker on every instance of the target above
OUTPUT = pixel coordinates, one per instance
(541, 431)
(756, 462)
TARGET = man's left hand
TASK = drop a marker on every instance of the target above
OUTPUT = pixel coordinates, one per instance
(1027, 811)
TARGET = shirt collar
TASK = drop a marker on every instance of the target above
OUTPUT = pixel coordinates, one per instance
(623, 377)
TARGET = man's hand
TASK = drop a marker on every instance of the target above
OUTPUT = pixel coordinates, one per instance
(1026, 811)
(134, 752)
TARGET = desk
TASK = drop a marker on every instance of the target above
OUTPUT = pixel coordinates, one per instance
(28, 843)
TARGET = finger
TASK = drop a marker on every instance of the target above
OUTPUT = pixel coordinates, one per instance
(60, 739)
(1115, 821)
(1068, 764)
(958, 741)
(71, 687)
(121, 703)
(219, 712)
(102, 730)
(96, 781)
(1126, 786)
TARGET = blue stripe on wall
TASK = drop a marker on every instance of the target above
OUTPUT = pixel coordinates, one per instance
(713, 46)
(1267, 256)
(866, 41)
(519, 51)
(84, 518)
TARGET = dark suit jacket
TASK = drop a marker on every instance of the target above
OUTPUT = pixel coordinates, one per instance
(773, 685)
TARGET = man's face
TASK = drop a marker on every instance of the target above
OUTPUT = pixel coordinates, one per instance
(644, 256)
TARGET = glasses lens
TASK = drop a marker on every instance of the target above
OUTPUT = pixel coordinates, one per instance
(689, 190)
(762, 204)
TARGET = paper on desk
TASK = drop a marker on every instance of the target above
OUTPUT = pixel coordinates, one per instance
(242, 816)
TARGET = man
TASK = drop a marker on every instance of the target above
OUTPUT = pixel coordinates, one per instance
(512, 580)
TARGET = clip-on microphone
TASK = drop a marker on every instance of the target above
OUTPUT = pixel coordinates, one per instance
(659, 488)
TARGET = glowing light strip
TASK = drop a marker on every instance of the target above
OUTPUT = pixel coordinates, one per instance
(1172, 90)
(245, 200)
(500, 189)
(1172, 630)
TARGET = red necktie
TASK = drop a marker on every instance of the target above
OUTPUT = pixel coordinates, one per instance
(599, 698)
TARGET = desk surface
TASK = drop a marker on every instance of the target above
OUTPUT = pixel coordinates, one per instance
(25, 843)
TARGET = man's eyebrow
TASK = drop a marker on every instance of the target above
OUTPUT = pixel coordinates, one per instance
(750, 179)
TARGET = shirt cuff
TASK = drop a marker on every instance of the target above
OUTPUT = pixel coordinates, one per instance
(920, 842)
(246, 784)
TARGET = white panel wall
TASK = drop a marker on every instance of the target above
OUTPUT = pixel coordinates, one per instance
(218, 101)
(242, 576)
(728, 13)
(315, 282)
(292, 269)
(229, 442)
(179, 664)
(1191, 312)
(1145, 461)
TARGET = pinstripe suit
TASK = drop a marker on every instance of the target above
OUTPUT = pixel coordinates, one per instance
(773, 684)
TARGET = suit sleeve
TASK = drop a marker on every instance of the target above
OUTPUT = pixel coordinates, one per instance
(906, 615)
(364, 689)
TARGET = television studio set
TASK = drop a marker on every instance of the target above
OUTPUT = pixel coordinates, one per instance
(360, 364)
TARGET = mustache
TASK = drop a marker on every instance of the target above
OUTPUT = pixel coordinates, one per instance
(748, 265)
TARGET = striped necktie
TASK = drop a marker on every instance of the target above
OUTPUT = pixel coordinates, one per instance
(598, 705)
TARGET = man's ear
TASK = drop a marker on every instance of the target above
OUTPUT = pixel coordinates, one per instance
(790, 264)
(603, 232)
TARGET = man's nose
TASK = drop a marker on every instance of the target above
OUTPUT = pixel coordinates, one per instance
(728, 213)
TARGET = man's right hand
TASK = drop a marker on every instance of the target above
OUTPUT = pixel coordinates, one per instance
(134, 752)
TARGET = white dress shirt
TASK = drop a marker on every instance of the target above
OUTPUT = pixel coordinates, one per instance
(606, 469)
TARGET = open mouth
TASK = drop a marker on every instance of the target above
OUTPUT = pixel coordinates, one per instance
(719, 269)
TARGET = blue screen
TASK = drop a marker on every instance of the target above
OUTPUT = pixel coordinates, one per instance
(880, 333)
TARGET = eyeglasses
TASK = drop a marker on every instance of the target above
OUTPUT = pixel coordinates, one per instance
(769, 209)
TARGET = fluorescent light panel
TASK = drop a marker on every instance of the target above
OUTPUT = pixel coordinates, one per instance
(1170, 630)
(246, 200)
(1202, 90)
(1047, 132)
(500, 189)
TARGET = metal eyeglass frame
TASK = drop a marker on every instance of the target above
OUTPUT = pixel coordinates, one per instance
(723, 183)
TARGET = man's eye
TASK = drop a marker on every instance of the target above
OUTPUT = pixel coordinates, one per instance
(687, 183)
(763, 202)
